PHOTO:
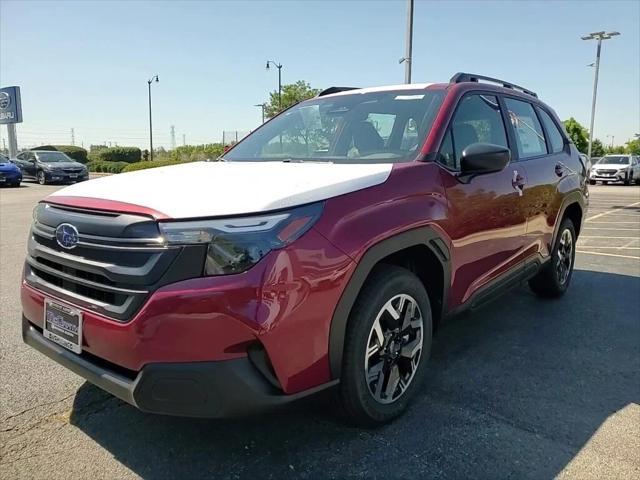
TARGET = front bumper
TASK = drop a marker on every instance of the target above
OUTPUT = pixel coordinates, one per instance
(196, 389)
(8, 178)
(62, 177)
(617, 177)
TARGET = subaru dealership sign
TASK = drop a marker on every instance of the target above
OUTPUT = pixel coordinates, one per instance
(10, 106)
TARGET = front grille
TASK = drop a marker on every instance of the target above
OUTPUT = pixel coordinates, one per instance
(115, 266)
(72, 170)
(605, 171)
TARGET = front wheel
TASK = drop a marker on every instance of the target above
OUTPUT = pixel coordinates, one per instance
(554, 278)
(42, 179)
(592, 182)
(388, 342)
(15, 184)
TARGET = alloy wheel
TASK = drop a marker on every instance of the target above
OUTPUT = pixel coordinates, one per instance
(565, 256)
(394, 348)
(41, 178)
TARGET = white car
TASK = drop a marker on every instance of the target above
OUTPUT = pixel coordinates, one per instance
(616, 168)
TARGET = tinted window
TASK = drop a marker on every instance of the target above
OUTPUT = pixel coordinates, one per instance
(614, 160)
(477, 120)
(529, 134)
(370, 127)
(555, 137)
(53, 157)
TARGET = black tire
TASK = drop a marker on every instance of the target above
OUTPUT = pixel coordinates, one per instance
(628, 181)
(592, 182)
(358, 402)
(551, 281)
(605, 183)
(41, 178)
(15, 184)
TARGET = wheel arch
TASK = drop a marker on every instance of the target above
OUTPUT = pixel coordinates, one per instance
(420, 250)
(574, 208)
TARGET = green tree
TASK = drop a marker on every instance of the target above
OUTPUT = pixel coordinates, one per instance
(291, 94)
(618, 149)
(578, 134)
(597, 149)
(633, 147)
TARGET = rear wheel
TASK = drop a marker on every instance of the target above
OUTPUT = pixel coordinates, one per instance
(388, 341)
(41, 178)
(554, 278)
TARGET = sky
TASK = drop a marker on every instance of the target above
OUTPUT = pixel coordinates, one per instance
(85, 64)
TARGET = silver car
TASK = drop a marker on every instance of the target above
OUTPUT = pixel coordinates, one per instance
(616, 168)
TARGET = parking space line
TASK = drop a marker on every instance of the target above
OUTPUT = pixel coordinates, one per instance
(611, 211)
(610, 229)
(604, 254)
(624, 247)
(615, 223)
(607, 237)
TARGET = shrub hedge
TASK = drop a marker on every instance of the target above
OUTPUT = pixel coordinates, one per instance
(107, 167)
(156, 163)
(79, 154)
(118, 154)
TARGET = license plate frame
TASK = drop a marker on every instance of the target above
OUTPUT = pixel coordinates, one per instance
(73, 175)
(62, 324)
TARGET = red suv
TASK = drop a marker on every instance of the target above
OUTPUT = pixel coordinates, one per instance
(322, 251)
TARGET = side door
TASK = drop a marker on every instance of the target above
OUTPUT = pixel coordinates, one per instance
(486, 221)
(30, 164)
(551, 172)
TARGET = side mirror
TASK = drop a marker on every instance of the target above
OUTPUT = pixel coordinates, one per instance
(484, 158)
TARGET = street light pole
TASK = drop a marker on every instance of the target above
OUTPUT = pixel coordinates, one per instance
(407, 59)
(599, 36)
(149, 82)
(262, 106)
(279, 67)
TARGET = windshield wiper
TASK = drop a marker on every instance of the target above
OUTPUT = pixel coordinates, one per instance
(304, 160)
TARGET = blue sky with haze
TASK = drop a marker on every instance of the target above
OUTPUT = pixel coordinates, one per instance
(85, 64)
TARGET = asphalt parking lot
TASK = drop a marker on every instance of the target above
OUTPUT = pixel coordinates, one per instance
(523, 388)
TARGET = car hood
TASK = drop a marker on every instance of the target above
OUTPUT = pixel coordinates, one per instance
(7, 167)
(617, 166)
(209, 189)
(62, 164)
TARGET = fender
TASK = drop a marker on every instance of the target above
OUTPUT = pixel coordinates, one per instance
(426, 236)
(574, 197)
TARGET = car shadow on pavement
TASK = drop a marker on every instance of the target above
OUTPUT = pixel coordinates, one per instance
(513, 390)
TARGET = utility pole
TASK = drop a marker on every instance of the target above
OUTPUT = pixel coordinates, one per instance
(599, 36)
(184, 140)
(279, 67)
(73, 137)
(155, 77)
(173, 137)
(407, 59)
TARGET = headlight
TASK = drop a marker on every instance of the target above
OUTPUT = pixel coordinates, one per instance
(236, 244)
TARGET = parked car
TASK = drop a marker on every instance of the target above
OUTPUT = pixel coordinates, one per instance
(321, 253)
(10, 174)
(47, 166)
(616, 168)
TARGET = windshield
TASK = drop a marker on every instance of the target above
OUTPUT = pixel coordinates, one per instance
(53, 157)
(3, 158)
(373, 127)
(614, 160)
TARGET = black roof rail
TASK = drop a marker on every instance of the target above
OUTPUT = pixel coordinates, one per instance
(472, 77)
(330, 90)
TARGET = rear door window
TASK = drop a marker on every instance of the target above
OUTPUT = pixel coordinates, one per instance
(556, 140)
(529, 135)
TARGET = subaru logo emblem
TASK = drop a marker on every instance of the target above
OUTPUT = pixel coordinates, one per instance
(5, 100)
(67, 236)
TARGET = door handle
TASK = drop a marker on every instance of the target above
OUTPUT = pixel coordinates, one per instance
(559, 169)
(518, 182)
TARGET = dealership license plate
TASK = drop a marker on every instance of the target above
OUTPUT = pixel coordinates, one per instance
(73, 175)
(63, 325)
